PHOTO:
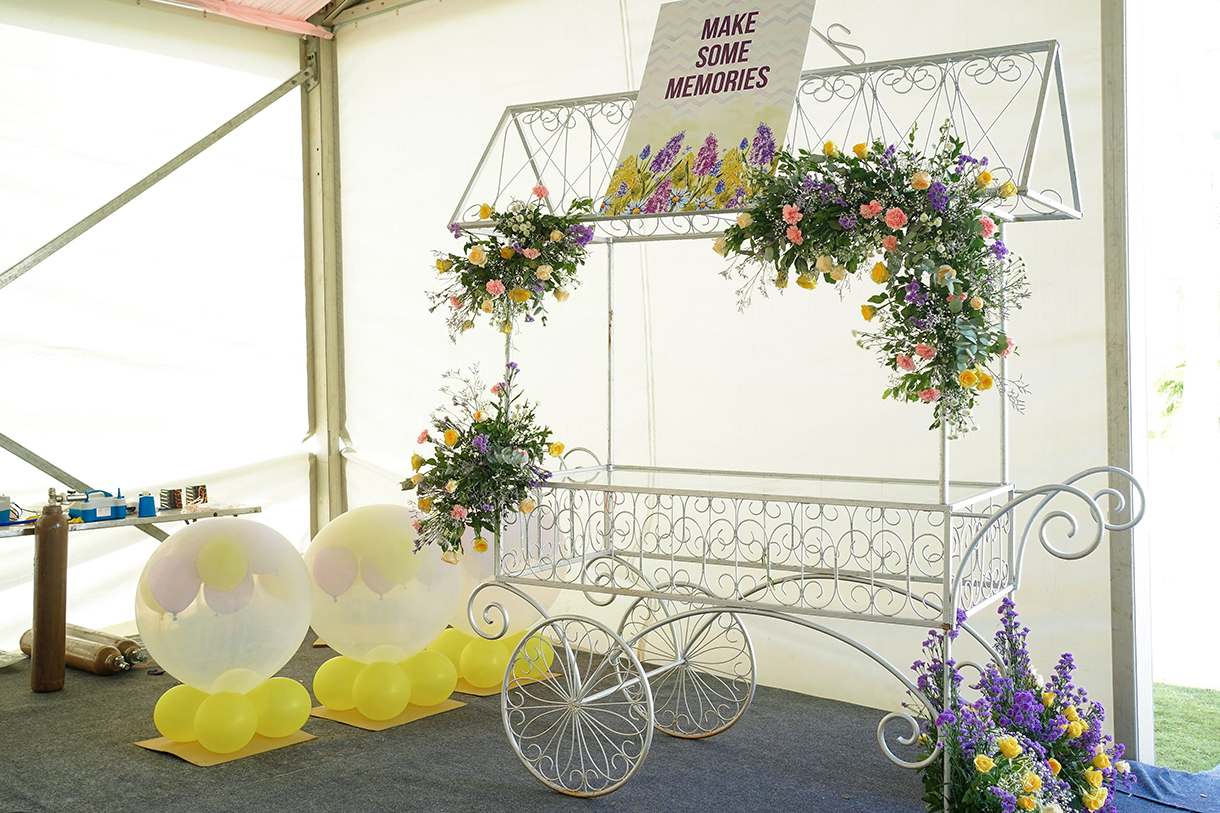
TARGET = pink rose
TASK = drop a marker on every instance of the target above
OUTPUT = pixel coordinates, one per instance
(455, 302)
(870, 210)
(905, 363)
(895, 218)
(986, 227)
(925, 352)
(495, 287)
(423, 437)
(540, 191)
(929, 395)
(459, 512)
(531, 253)
(417, 525)
(889, 243)
(792, 214)
(794, 235)
(1008, 350)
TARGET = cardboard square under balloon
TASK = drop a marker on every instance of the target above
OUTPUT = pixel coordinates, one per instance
(411, 714)
(196, 754)
(464, 687)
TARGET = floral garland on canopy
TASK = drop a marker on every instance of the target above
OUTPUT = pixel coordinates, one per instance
(486, 461)
(1025, 744)
(918, 224)
(508, 274)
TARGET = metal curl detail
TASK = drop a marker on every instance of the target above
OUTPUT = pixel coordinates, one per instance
(502, 630)
(910, 739)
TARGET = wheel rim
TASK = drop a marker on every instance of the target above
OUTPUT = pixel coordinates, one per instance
(586, 731)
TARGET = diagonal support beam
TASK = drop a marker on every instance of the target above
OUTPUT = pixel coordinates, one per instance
(15, 272)
(47, 467)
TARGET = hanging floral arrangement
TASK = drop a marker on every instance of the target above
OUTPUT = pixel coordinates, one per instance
(486, 461)
(917, 225)
(508, 274)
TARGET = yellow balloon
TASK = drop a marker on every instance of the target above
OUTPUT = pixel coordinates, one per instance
(174, 714)
(433, 677)
(397, 560)
(450, 643)
(282, 706)
(277, 586)
(332, 683)
(144, 592)
(225, 722)
(381, 691)
(483, 663)
(511, 641)
(222, 564)
(535, 659)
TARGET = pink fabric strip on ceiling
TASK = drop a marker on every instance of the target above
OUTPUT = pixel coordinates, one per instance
(256, 16)
(297, 9)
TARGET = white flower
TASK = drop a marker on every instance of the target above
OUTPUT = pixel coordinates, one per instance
(1052, 809)
(936, 222)
(940, 247)
(923, 218)
(720, 246)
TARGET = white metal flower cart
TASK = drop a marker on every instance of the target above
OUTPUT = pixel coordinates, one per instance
(693, 550)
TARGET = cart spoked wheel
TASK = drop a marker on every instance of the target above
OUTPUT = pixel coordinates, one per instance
(585, 730)
(700, 668)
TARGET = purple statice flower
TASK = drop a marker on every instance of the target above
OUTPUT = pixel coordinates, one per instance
(720, 186)
(945, 718)
(918, 324)
(915, 293)
(647, 151)
(1008, 802)
(665, 156)
(481, 443)
(999, 249)
(529, 318)
(762, 152)
(582, 235)
(808, 183)
(888, 155)
(512, 365)
(622, 189)
(983, 162)
(744, 145)
(659, 202)
(487, 507)
(938, 196)
(705, 161)
(848, 222)
(538, 287)
(455, 230)
(516, 247)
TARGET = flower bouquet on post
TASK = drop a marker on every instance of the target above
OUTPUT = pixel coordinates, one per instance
(1025, 743)
(486, 461)
(508, 274)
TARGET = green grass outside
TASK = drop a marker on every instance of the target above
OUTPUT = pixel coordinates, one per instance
(1186, 727)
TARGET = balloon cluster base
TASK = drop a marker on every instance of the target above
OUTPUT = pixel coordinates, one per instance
(465, 687)
(353, 717)
(196, 754)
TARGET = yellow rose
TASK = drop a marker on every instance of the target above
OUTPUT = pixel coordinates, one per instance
(507, 252)
(868, 312)
(880, 273)
(824, 264)
(1009, 746)
(1094, 778)
(807, 281)
(1094, 799)
(506, 328)
(480, 545)
(781, 279)
(478, 256)
(450, 557)
(1031, 782)
(519, 295)
(556, 449)
(1054, 765)
(1101, 760)
(1048, 699)
(944, 273)
(985, 382)
(861, 151)
(829, 149)
(1026, 802)
(486, 306)
(983, 179)
(556, 236)
(967, 378)
(838, 273)
(451, 486)
(527, 505)
(976, 302)
(479, 415)
(562, 294)
(1071, 714)
(417, 478)
(921, 181)
(543, 272)
(444, 265)
(485, 212)
(451, 437)
(425, 504)
(1075, 729)
(720, 246)
(983, 763)
(416, 461)
(1008, 189)
(744, 220)
(467, 325)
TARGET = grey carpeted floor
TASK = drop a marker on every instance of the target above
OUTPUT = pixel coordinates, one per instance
(72, 751)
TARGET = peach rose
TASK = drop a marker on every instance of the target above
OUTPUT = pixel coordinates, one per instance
(921, 181)
(478, 256)
(543, 272)
(562, 294)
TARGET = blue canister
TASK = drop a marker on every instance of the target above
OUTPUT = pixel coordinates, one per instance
(147, 507)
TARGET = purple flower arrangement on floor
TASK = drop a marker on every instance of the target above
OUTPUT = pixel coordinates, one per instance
(1025, 743)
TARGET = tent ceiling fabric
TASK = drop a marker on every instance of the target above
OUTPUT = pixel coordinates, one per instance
(284, 15)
